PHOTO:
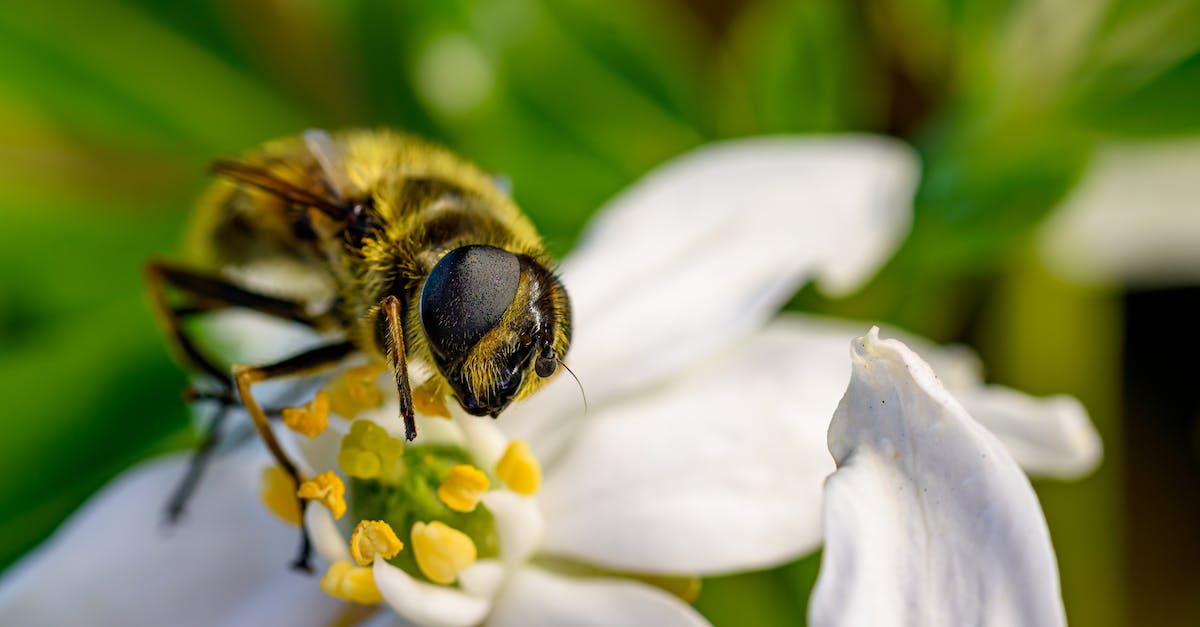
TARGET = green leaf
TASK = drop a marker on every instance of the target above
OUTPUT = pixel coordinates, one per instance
(142, 74)
(1165, 105)
(801, 67)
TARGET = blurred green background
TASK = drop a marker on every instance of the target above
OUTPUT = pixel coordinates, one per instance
(110, 112)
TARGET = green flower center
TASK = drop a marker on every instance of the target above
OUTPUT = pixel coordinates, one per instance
(408, 494)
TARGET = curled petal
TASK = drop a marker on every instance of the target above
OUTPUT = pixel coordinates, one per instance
(928, 520)
(1049, 437)
(536, 598)
(426, 604)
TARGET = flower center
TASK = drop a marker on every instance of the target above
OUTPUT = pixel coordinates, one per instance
(428, 494)
(420, 507)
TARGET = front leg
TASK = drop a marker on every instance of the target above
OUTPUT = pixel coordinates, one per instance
(308, 362)
(394, 334)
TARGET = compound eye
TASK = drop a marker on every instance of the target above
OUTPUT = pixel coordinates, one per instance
(465, 296)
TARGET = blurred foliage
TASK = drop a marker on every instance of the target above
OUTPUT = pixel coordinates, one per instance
(110, 110)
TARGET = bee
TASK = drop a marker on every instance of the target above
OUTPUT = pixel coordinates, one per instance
(400, 250)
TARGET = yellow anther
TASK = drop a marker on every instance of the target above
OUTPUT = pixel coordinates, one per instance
(519, 469)
(371, 539)
(462, 487)
(359, 463)
(348, 582)
(429, 399)
(368, 452)
(355, 390)
(310, 419)
(328, 490)
(441, 551)
(278, 492)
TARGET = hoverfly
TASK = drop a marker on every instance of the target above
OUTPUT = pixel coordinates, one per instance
(423, 259)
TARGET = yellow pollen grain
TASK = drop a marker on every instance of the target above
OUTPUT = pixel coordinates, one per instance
(356, 390)
(519, 469)
(310, 419)
(278, 493)
(371, 539)
(441, 551)
(429, 400)
(328, 490)
(462, 487)
(348, 582)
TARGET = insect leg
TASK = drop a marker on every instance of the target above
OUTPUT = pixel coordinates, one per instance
(206, 293)
(390, 307)
(200, 456)
(307, 362)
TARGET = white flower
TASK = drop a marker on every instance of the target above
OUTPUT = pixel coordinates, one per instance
(928, 520)
(703, 453)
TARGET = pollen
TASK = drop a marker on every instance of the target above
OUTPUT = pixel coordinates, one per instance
(462, 487)
(355, 390)
(371, 539)
(328, 490)
(429, 400)
(310, 419)
(348, 582)
(441, 551)
(368, 452)
(519, 469)
(278, 493)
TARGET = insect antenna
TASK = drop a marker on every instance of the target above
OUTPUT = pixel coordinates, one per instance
(268, 182)
(581, 392)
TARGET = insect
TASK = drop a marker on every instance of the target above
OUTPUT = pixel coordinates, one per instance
(408, 254)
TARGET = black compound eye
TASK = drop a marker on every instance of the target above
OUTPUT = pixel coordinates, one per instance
(465, 295)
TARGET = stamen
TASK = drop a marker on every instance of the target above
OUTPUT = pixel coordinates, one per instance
(371, 539)
(429, 400)
(519, 469)
(355, 390)
(368, 452)
(278, 493)
(328, 490)
(462, 487)
(348, 582)
(310, 419)
(441, 551)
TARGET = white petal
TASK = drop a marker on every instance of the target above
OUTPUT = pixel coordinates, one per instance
(323, 532)
(316, 455)
(1049, 437)
(705, 248)
(113, 563)
(483, 578)
(292, 598)
(427, 604)
(519, 523)
(537, 598)
(720, 473)
(481, 437)
(928, 520)
(1135, 217)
